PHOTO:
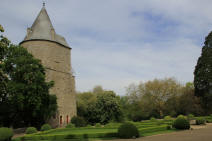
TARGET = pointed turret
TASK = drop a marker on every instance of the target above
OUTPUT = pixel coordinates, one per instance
(42, 29)
(55, 55)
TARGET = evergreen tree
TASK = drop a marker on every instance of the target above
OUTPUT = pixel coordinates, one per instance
(203, 75)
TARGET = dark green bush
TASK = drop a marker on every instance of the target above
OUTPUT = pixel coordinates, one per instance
(45, 127)
(5, 134)
(31, 130)
(78, 121)
(128, 130)
(169, 127)
(70, 125)
(181, 123)
(200, 121)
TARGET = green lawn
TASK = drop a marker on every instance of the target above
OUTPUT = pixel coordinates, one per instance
(90, 133)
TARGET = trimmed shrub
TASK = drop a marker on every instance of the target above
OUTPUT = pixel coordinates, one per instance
(200, 121)
(181, 116)
(167, 118)
(127, 131)
(168, 127)
(78, 121)
(5, 134)
(190, 117)
(181, 123)
(159, 122)
(98, 125)
(70, 125)
(89, 126)
(31, 130)
(152, 119)
(45, 127)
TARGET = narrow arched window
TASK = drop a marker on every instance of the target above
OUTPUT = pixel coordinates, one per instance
(67, 119)
(61, 120)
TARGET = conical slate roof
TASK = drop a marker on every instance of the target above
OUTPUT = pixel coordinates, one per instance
(42, 29)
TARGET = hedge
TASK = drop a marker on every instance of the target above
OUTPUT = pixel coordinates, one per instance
(45, 136)
(152, 129)
(45, 127)
(200, 121)
(31, 130)
(5, 134)
(69, 136)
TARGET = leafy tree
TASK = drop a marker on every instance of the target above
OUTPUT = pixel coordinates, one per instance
(152, 96)
(25, 98)
(203, 75)
(98, 89)
(83, 101)
(105, 109)
(99, 106)
(108, 107)
(188, 103)
(159, 98)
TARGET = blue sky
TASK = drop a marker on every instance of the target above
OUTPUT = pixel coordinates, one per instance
(119, 42)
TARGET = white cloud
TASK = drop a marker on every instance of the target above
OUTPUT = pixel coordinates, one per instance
(118, 42)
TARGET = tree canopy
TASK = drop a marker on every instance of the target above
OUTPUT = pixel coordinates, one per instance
(203, 74)
(158, 98)
(99, 106)
(24, 93)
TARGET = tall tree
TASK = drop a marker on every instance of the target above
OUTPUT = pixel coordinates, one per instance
(99, 106)
(24, 94)
(203, 75)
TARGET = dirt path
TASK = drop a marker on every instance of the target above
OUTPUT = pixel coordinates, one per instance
(199, 133)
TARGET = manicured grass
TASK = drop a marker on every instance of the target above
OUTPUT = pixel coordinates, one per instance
(90, 133)
(158, 132)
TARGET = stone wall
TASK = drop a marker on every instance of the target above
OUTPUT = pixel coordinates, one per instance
(57, 61)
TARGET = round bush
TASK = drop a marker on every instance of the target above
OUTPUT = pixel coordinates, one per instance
(167, 118)
(127, 131)
(45, 127)
(181, 123)
(31, 130)
(70, 125)
(168, 127)
(98, 125)
(89, 126)
(200, 121)
(190, 117)
(78, 121)
(5, 134)
(181, 116)
(153, 119)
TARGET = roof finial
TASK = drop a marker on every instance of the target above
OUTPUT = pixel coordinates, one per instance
(44, 3)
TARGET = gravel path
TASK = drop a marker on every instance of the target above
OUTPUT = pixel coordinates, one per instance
(199, 133)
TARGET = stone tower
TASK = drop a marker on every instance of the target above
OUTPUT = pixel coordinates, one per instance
(55, 54)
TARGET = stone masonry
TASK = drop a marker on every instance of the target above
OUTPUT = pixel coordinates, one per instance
(55, 54)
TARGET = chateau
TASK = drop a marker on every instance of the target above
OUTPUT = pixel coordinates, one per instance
(55, 54)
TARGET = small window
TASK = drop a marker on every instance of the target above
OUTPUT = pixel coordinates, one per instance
(67, 119)
(61, 120)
